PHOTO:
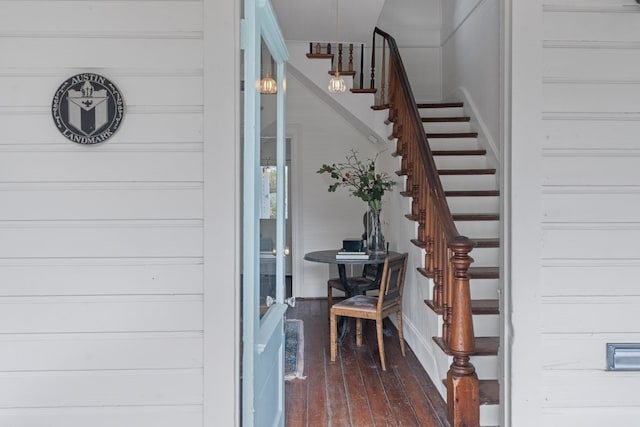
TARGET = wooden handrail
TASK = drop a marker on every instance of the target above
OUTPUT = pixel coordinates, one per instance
(447, 258)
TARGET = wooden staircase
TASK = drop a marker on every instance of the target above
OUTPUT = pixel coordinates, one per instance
(471, 191)
(455, 203)
(473, 198)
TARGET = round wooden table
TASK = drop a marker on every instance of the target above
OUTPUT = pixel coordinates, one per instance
(329, 257)
(351, 288)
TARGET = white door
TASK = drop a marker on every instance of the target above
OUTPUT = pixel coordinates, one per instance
(263, 269)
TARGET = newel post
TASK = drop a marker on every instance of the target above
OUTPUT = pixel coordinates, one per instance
(463, 388)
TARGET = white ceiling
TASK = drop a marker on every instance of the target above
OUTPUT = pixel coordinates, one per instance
(315, 20)
(411, 22)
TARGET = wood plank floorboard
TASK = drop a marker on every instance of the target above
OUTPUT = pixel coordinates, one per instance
(353, 391)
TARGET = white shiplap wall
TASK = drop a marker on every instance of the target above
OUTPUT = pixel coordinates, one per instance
(590, 292)
(101, 246)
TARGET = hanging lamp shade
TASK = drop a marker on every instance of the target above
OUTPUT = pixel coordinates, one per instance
(336, 84)
(268, 85)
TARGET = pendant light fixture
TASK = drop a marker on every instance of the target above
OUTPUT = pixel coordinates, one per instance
(267, 84)
(336, 83)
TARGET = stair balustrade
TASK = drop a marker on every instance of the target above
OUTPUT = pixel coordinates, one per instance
(326, 50)
(447, 253)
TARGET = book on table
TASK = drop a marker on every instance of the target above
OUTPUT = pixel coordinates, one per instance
(352, 255)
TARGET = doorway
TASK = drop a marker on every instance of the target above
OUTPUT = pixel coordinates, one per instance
(268, 215)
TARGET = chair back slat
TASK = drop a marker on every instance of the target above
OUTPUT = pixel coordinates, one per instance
(392, 282)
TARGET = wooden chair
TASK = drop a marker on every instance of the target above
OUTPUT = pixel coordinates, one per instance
(369, 274)
(388, 301)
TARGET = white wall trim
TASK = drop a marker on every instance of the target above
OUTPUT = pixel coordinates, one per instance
(422, 348)
(590, 44)
(172, 35)
(586, 8)
(130, 109)
(577, 81)
(590, 189)
(590, 116)
(504, 297)
(590, 152)
(221, 131)
(590, 262)
(112, 147)
(120, 72)
(294, 133)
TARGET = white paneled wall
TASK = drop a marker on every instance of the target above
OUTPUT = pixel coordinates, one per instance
(591, 201)
(471, 64)
(101, 288)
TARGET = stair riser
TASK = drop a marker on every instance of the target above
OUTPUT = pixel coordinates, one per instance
(480, 288)
(441, 112)
(468, 182)
(453, 143)
(486, 366)
(474, 204)
(478, 229)
(446, 127)
(489, 415)
(485, 257)
(484, 288)
(487, 325)
(461, 162)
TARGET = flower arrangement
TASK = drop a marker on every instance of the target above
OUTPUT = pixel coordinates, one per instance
(360, 178)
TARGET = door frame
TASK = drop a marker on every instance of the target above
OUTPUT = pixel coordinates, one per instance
(263, 336)
(221, 212)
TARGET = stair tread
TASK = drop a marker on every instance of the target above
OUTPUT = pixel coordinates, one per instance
(483, 272)
(478, 306)
(425, 273)
(476, 217)
(471, 193)
(418, 243)
(342, 73)
(411, 217)
(481, 171)
(487, 242)
(361, 90)
(439, 104)
(485, 306)
(484, 346)
(320, 55)
(445, 119)
(478, 152)
(489, 391)
(380, 107)
(453, 135)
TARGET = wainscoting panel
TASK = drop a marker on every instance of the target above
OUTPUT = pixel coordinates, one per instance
(101, 253)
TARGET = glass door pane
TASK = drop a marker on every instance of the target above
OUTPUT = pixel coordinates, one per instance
(267, 181)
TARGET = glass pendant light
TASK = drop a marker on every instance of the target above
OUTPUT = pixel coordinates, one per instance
(336, 83)
(268, 85)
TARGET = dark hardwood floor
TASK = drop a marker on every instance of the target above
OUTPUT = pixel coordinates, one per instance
(354, 391)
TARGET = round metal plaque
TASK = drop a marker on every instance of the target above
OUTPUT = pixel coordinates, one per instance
(87, 108)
